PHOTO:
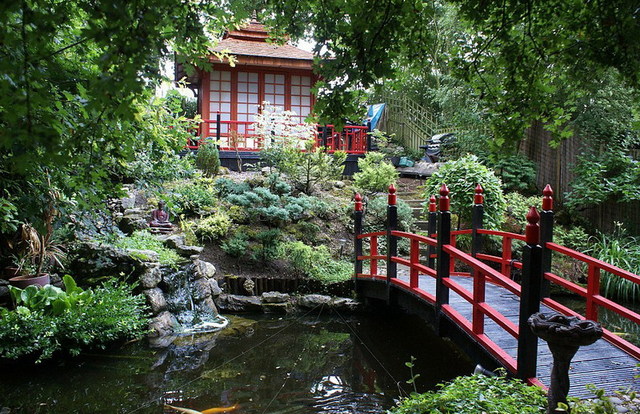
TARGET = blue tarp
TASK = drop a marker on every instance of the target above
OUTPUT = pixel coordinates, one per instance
(374, 113)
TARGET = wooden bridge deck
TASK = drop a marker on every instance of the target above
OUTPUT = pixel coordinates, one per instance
(601, 364)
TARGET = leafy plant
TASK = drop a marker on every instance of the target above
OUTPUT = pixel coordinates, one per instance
(476, 394)
(269, 241)
(213, 227)
(516, 172)
(143, 240)
(50, 300)
(41, 327)
(412, 381)
(236, 246)
(191, 200)
(316, 262)
(461, 177)
(376, 174)
(518, 206)
(621, 250)
(376, 214)
(208, 158)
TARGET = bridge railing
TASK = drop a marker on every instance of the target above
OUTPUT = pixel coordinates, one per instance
(439, 263)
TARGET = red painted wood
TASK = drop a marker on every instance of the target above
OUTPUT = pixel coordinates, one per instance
(374, 253)
(478, 197)
(532, 231)
(410, 236)
(358, 207)
(445, 204)
(415, 260)
(511, 328)
(393, 199)
(432, 204)
(547, 198)
(478, 299)
(505, 268)
(593, 289)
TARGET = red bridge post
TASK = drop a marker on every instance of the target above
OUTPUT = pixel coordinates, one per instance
(529, 297)
(546, 235)
(442, 270)
(432, 229)
(392, 241)
(477, 220)
(357, 229)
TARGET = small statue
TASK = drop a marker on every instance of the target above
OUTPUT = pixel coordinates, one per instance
(160, 220)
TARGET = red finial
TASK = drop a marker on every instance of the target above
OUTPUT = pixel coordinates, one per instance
(532, 232)
(478, 198)
(547, 198)
(392, 195)
(358, 204)
(444, 198)
(432, 204)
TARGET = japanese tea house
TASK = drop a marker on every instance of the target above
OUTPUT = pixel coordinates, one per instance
(229, 97)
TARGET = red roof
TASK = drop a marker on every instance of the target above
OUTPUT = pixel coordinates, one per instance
(251, 40)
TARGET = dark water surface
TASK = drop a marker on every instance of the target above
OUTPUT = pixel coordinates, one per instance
(260, 364)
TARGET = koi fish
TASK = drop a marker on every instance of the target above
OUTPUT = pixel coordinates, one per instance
(214, 410)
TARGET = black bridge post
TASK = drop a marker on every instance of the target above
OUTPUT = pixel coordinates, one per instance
(477, 220)
(546, 235)
(442, 270)
(432, 228)
(368, 137)
(392, 241)
(357, 229)
(529, 297)
(324, 137)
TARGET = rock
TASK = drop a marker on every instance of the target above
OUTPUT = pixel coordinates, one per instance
(4, 293)
(163, 324)
(237, 303)
(312, 301)
(129, 224)
(156, 300)
(207, 306)
(280, 308)
(152, 275)
(56, 280)
(93, 259)
(339, 184)
(275, 297)
(204, 269)
(188, 251)
(345, 304)
(200, 289)
(215, 289)
(173, 241)
(143, 255)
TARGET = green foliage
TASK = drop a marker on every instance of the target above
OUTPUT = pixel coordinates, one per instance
(376, 214)
(306, 169)
(476, 394)
(225, 187)
(192, 199)
(213, 227)
(50, 300)
(236, 246)
(516, 172)
(208, 159)
(316, 262)
(143, 240)
(517, 208)
(574, 237)
(604, 177)
(461, 177)
(38, 328)
(269, 241)
(152, 168)
(623, 251)
(376, 174)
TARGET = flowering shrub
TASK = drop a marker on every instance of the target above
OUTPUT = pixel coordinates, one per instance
(277, 126)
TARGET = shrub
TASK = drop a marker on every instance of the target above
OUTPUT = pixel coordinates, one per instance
(213, 227)
(236, 246)
(476, 394)
(376, 218)
(152, 167)
(316, 262)
(96, 319)
(462, 176)
(376, 174)
(143, 240)
(191, 200)
(517, 173)
(225, 186)
(208, 159)
(269, 241)
(517, 208)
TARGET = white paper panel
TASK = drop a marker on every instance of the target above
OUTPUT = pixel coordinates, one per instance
(242, 76)
(225, 75)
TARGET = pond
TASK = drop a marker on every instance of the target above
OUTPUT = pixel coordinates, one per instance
(259, 364)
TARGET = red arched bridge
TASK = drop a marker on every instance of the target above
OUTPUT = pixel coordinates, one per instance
(472, 298)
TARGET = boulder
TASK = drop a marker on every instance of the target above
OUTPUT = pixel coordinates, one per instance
(279, 308)
(275, 297)
(312, 301)
(346, 304)
(207, 306)
(189, 251)
(237, 303)
(200, 289)
(143, 255)
(151, 276)
(163, 324)
(204, 269)
(215, 289)
(173, 241)
(156, 300)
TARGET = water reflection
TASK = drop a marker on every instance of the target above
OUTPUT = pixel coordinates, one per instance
(313, 364)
